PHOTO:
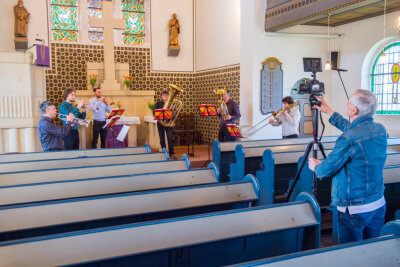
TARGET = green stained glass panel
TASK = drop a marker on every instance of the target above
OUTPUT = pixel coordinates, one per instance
(98, 14)
(96, 37)
(64, 2)
(95, 4)
(64, 18)
(133, 5)
(61, 35)
(133, 40)
(134, 23)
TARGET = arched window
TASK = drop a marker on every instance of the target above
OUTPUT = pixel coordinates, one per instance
(385, 80)
(64, 20)
(133, 13)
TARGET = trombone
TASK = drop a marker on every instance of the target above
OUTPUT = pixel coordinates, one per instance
(75, 120)
(274, 114)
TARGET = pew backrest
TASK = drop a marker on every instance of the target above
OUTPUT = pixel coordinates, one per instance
(57, 175)
(80, 162)
(80, 210)
(73, 153)
(12, 195)
(286, 223)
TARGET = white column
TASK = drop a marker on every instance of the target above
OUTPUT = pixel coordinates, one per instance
(28, 139)
(12, 140)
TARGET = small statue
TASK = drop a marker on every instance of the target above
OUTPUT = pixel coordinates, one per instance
(174, 30)
(21, 16)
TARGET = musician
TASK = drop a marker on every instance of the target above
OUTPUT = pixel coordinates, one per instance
(99, 106)
(233, 115)
(356, 164)
(161, 129)
(71, 141)
(289, 119)
(51, 135)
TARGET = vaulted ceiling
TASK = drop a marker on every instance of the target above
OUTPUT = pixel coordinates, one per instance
(283, 14)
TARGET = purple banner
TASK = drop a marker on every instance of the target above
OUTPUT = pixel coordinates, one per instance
(43, 56)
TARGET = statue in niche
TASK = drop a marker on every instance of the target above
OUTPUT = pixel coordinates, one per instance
(174, 30)
(21, 17)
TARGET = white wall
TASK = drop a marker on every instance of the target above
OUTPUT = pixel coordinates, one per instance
(217, 33)
(37, 24)
(359, 38)
(161, 13)
(256, 47)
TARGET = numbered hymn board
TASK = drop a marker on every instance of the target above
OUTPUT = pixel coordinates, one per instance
(271, 85)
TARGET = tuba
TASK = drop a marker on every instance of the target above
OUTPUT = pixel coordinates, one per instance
(221, 103)
(175, 105)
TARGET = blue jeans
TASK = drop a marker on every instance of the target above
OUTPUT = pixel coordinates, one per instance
(360, 226)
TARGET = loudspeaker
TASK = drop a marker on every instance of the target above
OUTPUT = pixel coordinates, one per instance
(335, 59)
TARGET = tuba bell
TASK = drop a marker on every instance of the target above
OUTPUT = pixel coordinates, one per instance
(221, 103)
(175, 105)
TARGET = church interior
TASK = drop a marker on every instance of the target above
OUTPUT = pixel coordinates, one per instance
(238, 189)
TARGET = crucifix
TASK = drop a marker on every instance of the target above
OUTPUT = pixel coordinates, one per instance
(108, 23)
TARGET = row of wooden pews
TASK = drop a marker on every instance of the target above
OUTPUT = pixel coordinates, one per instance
(154, 212)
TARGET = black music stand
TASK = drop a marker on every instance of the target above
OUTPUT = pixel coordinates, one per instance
(209, 111)
(234, 130)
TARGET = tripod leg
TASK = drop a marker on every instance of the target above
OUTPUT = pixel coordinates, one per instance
(303, 162)
(322, 149)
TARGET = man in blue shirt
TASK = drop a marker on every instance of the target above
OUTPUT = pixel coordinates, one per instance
(71, 141)
(99, 107)
(51, 135)
(356, 164)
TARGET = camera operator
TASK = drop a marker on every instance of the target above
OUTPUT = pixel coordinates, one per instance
(356, 163)
(289, 119)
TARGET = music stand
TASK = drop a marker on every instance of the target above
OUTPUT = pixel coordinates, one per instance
(163, 114)
(234, 130)
(209, 111)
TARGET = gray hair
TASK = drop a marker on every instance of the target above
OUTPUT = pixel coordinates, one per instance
(364, 101)
(45, 106)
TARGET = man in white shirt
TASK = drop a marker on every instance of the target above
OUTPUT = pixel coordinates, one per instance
(99, 107)
(289, 119)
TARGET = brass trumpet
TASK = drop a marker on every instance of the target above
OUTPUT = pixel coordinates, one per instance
(274, 114)
(76, 120)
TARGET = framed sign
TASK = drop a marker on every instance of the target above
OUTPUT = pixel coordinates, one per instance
(271, 85)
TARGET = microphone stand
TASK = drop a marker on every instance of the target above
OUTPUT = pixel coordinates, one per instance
(340, 76)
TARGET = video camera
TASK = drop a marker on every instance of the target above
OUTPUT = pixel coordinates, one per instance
(312, 87)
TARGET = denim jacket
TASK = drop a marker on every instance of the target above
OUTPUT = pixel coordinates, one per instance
(356, 161)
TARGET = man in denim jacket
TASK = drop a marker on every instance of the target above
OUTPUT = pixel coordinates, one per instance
(356, 164)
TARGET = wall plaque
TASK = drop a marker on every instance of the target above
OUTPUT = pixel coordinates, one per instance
(271, 85)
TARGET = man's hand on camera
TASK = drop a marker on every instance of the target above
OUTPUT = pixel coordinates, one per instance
(325, 108)
(312, 163)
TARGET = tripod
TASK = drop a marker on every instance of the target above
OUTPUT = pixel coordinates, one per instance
(208, 110)
(314, 146)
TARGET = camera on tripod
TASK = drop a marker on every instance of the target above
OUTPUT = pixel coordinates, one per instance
(312, 87)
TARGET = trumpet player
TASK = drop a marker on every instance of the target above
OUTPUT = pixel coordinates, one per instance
(71, 141)
(51, 135)
(289, 119)
(99, 106)
(233, 111)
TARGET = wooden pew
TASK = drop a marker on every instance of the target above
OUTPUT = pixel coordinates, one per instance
(92, 172)
(93, 212)
(211, 239)
(223, 154)
(80, 162)
(73, 154)
(12, 195)
(382, 251)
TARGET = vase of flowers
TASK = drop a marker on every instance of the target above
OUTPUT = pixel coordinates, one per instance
(93, 80)
(127, 81)
(151, 106)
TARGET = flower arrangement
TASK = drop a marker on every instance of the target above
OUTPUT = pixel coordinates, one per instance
(151, 105)
(127, 81)
(93, 79)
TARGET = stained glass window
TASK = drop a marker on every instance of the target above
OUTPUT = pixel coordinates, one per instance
(64, 20)
(385, 80)
(133, 13)
(94, 9)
